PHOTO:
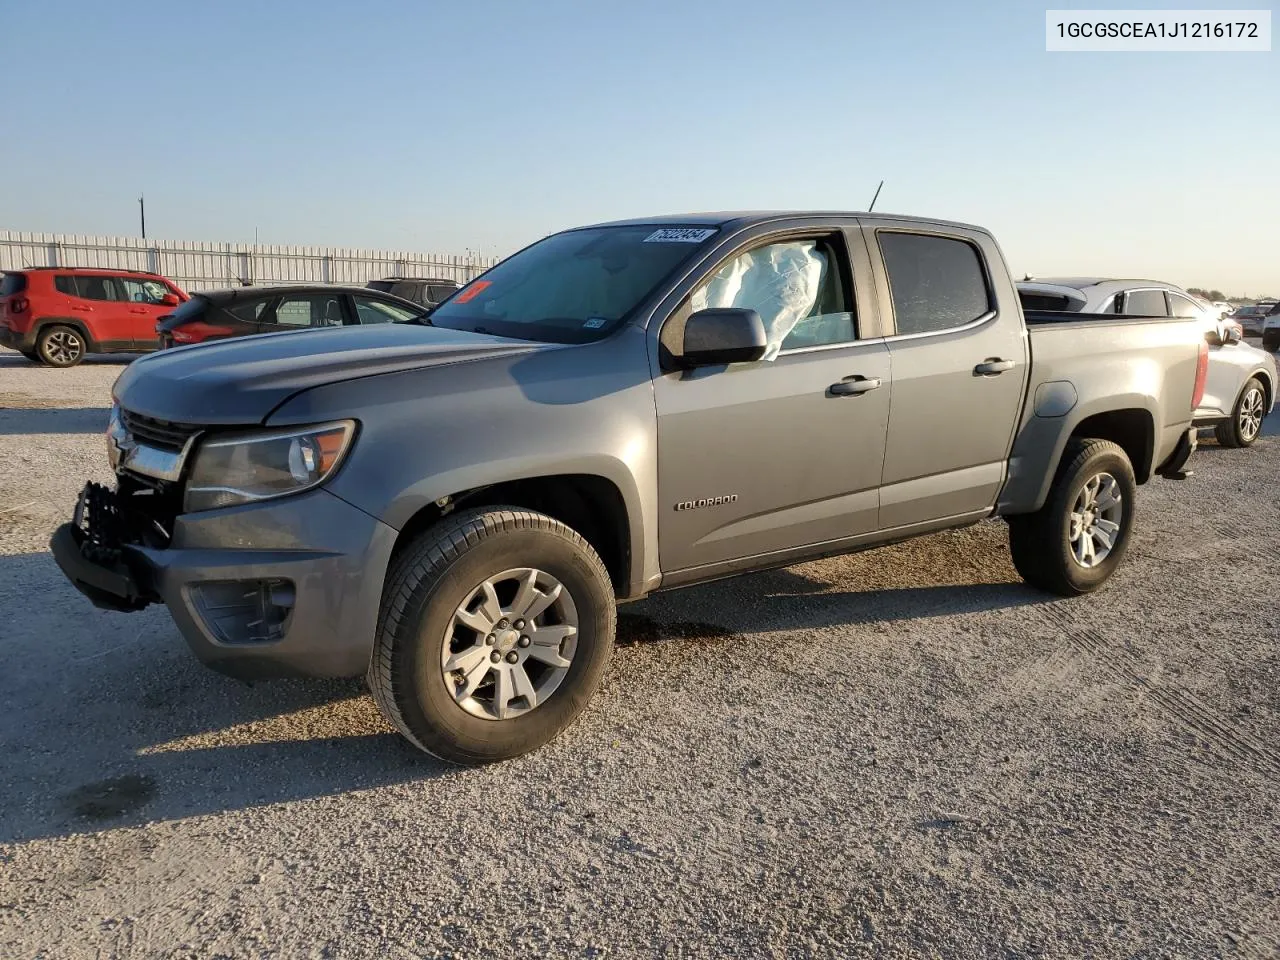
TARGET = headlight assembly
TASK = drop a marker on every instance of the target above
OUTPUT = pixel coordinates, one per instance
(247, 467)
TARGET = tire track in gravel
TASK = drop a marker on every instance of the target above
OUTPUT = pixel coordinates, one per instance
(1198, 718)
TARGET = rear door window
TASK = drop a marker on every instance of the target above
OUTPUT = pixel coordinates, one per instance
(937, 283)
(93, 287)
(437, 293)
(66, 285)
(311, 311)
(1145, 303)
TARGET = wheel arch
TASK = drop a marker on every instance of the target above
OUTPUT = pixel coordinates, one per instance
(591, 504)
(1133, 429)
(1268, 386)
(75, 323)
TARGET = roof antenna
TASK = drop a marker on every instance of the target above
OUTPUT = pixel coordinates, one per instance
(875, 198)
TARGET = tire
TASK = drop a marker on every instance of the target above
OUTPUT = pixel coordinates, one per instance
(1043, 550)
(1247, 415)
(1270, 344)
(60, 346)
(427, 588)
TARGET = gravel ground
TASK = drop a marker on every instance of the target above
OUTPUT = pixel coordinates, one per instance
(902, 753)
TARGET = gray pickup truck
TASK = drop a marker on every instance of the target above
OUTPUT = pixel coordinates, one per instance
(454, 507)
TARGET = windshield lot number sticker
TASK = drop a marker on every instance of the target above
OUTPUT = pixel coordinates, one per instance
(595, 323)
(678, 235)
(471, 292)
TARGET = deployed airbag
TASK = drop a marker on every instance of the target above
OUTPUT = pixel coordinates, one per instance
(780, 282)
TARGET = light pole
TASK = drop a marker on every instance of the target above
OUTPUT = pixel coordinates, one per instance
(142, 214)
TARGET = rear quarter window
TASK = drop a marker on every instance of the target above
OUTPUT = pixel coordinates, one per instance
(12, 283)
(191, 308)
(249, 312)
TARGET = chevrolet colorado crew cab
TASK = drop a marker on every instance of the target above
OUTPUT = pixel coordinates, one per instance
(453, 507)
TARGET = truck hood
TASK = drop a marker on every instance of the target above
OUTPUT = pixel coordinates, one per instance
(241, 381)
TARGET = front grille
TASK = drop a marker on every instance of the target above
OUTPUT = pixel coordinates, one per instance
(158, 433)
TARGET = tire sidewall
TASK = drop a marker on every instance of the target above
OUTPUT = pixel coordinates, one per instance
(1086, 579)
(47, 333)
(431, 712)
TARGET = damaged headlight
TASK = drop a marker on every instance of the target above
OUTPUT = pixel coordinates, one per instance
(247, 467)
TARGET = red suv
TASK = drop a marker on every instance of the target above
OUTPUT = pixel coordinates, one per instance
(55, 315)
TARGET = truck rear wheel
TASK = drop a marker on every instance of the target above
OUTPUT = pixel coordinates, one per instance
(495, 629)
(1075, 541)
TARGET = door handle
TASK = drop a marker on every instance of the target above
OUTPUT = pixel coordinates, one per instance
(137, 310)
(82, 309)
(853, 386)
(992, 366)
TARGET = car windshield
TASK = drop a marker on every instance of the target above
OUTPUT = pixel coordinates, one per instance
(572, 287)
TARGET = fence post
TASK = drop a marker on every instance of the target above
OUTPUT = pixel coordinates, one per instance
(54, 260)
(326, 269)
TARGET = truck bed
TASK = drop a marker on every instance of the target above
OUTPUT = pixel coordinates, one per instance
(1139, 372)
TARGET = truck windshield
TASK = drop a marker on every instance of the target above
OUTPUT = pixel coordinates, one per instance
(572, 287)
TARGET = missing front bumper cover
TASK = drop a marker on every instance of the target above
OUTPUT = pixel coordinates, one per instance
(90, 550)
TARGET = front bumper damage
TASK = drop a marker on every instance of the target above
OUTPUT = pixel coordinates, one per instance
(285, 587)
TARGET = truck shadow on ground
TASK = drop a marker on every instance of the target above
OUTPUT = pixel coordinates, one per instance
(110, 722)
(21, 419)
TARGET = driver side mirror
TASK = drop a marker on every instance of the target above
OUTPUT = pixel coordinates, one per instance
(170, 300)
(720, 335)
(1231, 333)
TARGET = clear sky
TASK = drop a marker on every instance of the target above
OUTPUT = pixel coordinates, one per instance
(488, 123)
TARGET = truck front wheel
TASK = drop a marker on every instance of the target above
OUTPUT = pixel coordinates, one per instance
(495, 629)
(1074, 543)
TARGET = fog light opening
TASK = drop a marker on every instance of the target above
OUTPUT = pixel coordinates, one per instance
(245, 611)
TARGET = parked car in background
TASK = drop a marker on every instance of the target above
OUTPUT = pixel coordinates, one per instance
(1252, 316)
(56, 315)
(1271, 329)
(1241, 387)
(454, 509)
(426, 292)
(243, 311)
(1224, 309)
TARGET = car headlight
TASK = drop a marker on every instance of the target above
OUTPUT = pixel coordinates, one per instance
(247, 467)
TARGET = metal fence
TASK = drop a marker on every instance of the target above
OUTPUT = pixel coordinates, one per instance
(196, 265)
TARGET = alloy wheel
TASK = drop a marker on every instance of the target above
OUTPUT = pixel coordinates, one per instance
(1095, 520)
(63, 347)
(510, 644)
(1250, 418)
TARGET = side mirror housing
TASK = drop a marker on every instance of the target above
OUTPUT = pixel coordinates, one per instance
(721, 335)
(1231, 333)
(170, 300)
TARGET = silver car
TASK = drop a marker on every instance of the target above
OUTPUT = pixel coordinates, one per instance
(1241, 386)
